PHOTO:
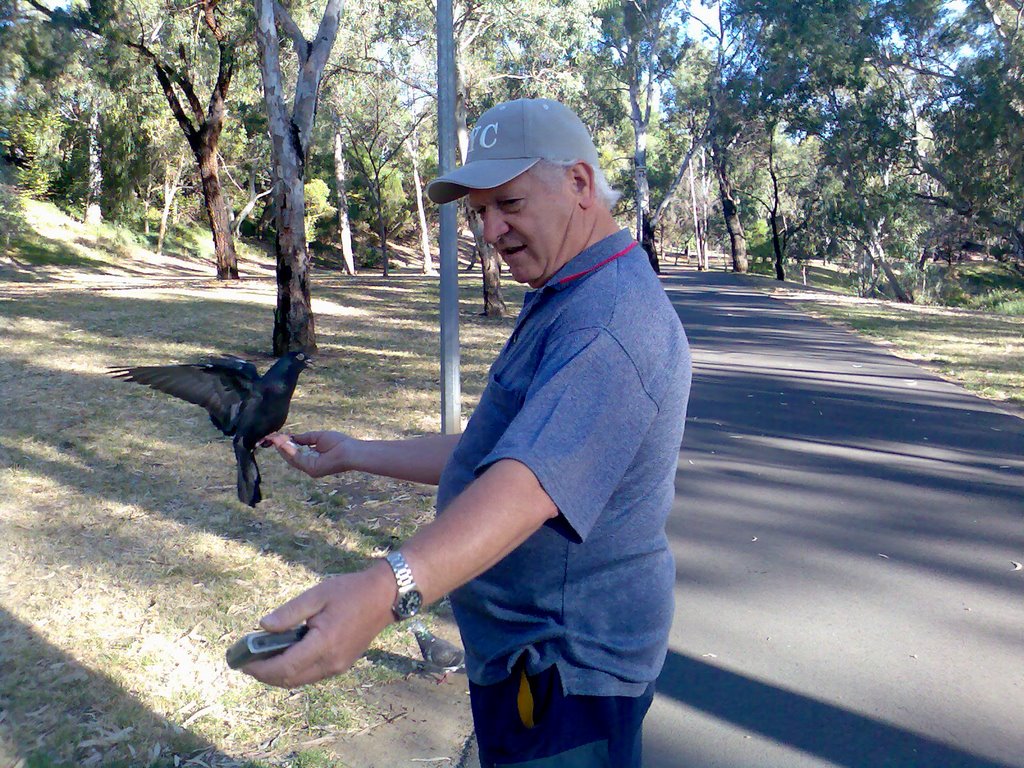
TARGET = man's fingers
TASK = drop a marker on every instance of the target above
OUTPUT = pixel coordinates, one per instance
(296, 611)
(275, 439)
(306, 438)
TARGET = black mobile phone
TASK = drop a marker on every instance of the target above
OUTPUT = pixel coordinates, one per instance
(263, 645)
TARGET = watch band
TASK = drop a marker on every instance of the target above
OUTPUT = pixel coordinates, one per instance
(409, 600)
(403, 573)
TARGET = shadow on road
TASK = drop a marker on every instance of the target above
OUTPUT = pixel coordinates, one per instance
(841, 737)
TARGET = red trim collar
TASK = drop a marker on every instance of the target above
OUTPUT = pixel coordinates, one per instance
(597, 266)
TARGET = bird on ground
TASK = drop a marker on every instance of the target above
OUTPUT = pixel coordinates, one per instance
(242, 404)
(439, 654)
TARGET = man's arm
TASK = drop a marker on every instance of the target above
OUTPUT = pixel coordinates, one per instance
(417, 459)
(487, 521)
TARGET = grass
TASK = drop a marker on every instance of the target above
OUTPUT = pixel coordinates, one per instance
(128, 565)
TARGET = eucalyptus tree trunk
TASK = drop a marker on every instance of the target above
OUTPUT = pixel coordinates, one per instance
(730, 210)
(640, 117)
(778, 240)
(652, 221)
(876, 252)
(171, 184)
(217, 211)
(93, 211)
(490, 262)
(698, 233)
(428, 264)
(203, 136)
(290, 133)
(254, 198)
(341, 184)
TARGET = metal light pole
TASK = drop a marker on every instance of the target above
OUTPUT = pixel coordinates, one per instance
(451, 394)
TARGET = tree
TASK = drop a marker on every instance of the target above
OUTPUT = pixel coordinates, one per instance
(201, 127)
(294, 327)
(642, 38)
(377, 133)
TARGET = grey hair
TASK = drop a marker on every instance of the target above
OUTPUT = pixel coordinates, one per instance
(602, 188)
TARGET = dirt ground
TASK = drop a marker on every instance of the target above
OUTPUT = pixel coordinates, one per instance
(427, 721)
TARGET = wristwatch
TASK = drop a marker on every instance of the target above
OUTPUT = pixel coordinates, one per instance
(410, 600)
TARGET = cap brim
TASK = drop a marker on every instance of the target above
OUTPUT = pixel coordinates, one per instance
(480, 174)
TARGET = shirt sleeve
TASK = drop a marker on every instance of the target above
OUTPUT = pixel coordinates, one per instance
(583, 419)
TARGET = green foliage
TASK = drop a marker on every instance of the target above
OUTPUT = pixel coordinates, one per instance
(759, 246)
(318, 205)
(12, 218)
(28, 142)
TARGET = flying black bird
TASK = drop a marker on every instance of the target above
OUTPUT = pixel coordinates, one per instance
(241, 403)
(439, 654)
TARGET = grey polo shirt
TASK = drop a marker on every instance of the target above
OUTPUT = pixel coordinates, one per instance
(590, 393)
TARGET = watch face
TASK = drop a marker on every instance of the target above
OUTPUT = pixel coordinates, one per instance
(409, 604)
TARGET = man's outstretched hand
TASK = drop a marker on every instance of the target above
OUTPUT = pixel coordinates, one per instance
(344, 614)
(318, 454)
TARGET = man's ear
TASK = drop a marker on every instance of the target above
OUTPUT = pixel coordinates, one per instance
(581, 177)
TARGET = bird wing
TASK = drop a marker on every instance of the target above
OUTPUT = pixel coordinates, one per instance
(220, 386)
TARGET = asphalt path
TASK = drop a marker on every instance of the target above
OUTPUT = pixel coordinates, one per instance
(845, 529)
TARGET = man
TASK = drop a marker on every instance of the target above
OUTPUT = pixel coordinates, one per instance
(550, 533)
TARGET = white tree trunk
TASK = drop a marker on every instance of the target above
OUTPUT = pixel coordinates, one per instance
(290, 133)
(93, 212)
(428, 263)
(171, 184)
(254, 197)
(698, 244)
(341, 182)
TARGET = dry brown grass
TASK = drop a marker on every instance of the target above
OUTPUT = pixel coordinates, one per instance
(128, 565)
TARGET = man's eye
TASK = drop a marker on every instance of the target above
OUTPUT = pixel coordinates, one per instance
(511, 205)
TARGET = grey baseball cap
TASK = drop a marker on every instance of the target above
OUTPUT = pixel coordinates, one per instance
(511, 138)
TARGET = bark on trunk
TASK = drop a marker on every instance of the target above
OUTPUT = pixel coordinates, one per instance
(649, 244)
(293, 318)
(876, 253)
(341, 185)
(731, 213)
(698, 234)
(382, 231)
(217, 213)
(778, 244)
(494, 303)
(644, 225)
(490, 264)
(780, 270)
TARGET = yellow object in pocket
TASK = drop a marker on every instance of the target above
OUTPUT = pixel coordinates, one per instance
(525, 699)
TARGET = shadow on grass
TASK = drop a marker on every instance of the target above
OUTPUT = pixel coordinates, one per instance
(55, 723)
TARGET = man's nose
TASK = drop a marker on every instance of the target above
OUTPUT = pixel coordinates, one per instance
(494, 226)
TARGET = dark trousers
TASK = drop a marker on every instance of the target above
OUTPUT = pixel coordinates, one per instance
(527, 722)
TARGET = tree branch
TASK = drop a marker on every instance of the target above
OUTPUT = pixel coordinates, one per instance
(292, 31)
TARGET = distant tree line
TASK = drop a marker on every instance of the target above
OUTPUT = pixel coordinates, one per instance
(879, 136)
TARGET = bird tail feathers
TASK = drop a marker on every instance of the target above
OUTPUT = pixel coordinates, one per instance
(248, 475)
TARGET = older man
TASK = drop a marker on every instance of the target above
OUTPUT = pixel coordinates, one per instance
(550, 533)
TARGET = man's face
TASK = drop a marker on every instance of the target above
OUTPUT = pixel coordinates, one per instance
(532, 221)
